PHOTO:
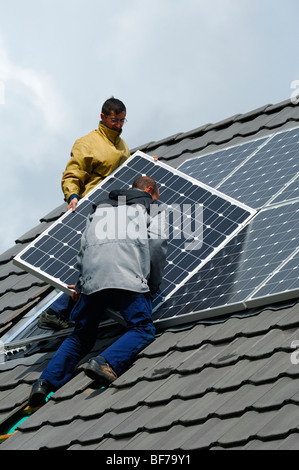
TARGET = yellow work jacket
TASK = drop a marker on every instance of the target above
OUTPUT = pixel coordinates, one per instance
(93, 158)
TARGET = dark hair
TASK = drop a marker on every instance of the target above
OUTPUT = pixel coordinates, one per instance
(113, 104)
(143, 182)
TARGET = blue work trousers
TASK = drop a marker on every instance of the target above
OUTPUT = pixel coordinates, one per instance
(135, 308)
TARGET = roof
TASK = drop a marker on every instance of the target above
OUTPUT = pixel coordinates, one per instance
(227, 383)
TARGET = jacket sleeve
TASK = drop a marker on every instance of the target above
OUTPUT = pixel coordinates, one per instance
(158, 249)
(77, 170)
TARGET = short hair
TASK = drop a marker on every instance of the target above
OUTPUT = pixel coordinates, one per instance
(113, 104)
(143, 182)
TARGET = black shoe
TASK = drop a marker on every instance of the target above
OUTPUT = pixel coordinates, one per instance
(99, 370)
(39, 392)
(49, 321)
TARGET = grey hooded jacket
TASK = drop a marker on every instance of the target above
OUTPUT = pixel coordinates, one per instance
(124, 244)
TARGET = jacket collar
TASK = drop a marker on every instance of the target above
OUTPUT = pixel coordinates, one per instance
(111, 134)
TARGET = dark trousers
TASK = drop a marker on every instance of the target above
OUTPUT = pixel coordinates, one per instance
(62, 306)
(135, 308)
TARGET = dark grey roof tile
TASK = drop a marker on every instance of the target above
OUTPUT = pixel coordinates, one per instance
(166, 439)
(202, 436)
(75, 385)
(289, 443)
(177, 161)
(176, 149)
(276, 107)
(288, 318)
(9, 254)
(33, 233)
(55, 213)
(166, 365)
(87, 447)
(100, 403)
(15, 397)
(203, 141)
(23, 302)
(243, 428)
(197, 131)
(102, 427)
(8, 269)
(167, 141)
(15, 301)
(275, 365)
(142, 418)
(224, 123)
(161, 152)
(108, 443)
(29, 362)
(20, 374)
(281, 391)
(136, 395)
(15, 443)
(21, 282)
(255, 112)
(283, 116)
(51, 437)
(256, 444)
(273, 340)
(167, 342)
(199, 334)
(282, 421)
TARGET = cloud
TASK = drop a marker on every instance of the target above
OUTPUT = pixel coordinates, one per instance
(38, 87)
(33, 117)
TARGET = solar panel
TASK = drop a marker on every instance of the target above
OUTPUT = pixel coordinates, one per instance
(52, 256)
(213, 168)
(257, 266)
(267, 172)
(253, 173)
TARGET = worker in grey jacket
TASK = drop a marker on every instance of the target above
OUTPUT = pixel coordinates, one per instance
(122, 257)
(123, 236)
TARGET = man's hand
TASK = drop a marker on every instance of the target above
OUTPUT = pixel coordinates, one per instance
(73, 203)
(75, 295)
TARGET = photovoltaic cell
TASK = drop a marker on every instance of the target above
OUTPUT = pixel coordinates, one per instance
(52, 256)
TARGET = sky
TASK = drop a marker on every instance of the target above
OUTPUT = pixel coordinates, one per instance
(176, 66)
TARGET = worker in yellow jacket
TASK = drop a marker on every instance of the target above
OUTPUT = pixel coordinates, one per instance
(93, 158)
(96, 155)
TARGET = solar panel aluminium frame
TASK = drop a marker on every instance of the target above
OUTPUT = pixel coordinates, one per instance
(63, 287)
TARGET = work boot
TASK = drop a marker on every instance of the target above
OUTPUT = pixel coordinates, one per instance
(51, 321)
(39, 392)
(99, 370)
